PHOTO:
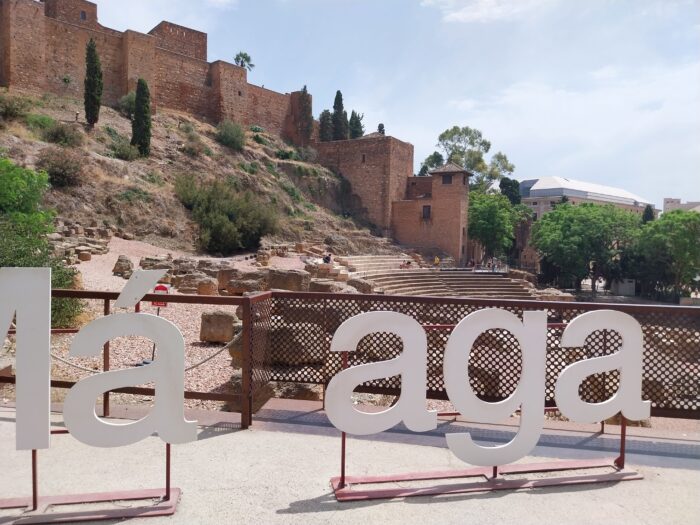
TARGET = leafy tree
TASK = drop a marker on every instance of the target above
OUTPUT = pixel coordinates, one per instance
(306, 117)
(23, 228)
(243, 60)
(340, 118)
(669, 249)
(356, 128)
(511, 189)
(491, 222)
(93, 84)
(141, 124)
(587, 240)
(467, 147)
(381, 130)
(325, 130)
(432, 161)
(648, 214)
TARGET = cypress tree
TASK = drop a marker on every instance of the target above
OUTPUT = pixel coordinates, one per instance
(648, 214)
(325, 133)
(380, 129)
(340, 118)
(141, 125)
(93, 84)
(306, 117)
(357, 130)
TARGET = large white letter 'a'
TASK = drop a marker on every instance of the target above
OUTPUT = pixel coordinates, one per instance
(411, 365)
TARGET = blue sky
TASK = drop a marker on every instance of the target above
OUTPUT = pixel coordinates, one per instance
(605, 91)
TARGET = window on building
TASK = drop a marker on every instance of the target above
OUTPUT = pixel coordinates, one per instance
(447, 179)
(240, 93)
(462, 250)
(464, 232)
(364, 158)
(534, 216)
(426, 212)
(464, 179)
(83, 15)
(534, 203)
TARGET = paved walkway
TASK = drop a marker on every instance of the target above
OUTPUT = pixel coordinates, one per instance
(279, 471)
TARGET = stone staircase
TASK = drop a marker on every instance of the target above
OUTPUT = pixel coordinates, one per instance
(385, 274)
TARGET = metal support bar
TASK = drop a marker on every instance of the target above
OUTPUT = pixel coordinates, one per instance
(493, 476)
(105, 366)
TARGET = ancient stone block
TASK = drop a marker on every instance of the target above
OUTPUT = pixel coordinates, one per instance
(218, 327)
(292, 280)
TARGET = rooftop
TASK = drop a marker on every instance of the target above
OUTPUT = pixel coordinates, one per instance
(560, 186)
(450, 167)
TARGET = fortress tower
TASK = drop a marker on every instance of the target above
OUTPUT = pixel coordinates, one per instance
(42, 49)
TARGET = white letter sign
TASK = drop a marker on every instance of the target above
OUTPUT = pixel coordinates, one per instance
(628, 360)
(529, 395)
(411, 364)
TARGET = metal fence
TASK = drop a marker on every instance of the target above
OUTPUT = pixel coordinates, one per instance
(302, 326)
(287, 337)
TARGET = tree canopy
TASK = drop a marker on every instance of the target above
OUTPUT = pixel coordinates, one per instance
(492, 221)
(141, 125)
(668, 252)
(585, 240)
(92, 93)
(306, 117)
(340, 118)
(325, 129)
(467, 147)
(242, 59)
(511, 189)
(356, 128)
(432, 161)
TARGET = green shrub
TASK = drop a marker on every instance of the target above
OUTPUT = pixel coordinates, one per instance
(63, 167)
(23, 229)
(123, 150)
(231, 135)
(134, 194)
(39, 123)
(308, 154)
(63, 135)
(293, 192)
(257, 129)
(227, 221)
(261, 140)
(250, 168)
(155, 178)
(187, 128)
(13, 107)
(194, 147)
(127, 105)
(286, 154)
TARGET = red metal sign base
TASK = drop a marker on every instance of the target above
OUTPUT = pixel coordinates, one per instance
(488, 483)
(163, 507)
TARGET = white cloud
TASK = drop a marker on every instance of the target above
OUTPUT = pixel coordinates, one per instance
(632, 130)
(485, 10)
(465, 104)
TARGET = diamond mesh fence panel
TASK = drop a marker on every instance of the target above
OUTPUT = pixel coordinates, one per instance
(300, 328)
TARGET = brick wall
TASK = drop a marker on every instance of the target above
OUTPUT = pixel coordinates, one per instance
(179, 39)
(78, 12)
(5, 42)
(446, 226)
(42, 49)
(183, 83)
(377, 169)
(139, 61)
(267, 108)
(64, 63)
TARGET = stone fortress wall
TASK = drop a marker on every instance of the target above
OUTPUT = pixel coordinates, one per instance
(42, 50)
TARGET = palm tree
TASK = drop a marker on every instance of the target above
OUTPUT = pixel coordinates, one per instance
(243, 60)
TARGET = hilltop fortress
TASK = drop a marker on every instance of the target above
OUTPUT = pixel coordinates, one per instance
(42, 50)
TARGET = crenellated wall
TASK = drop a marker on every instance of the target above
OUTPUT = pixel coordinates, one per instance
(42, 49)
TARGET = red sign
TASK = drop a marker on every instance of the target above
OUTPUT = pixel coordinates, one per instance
(160, 289)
